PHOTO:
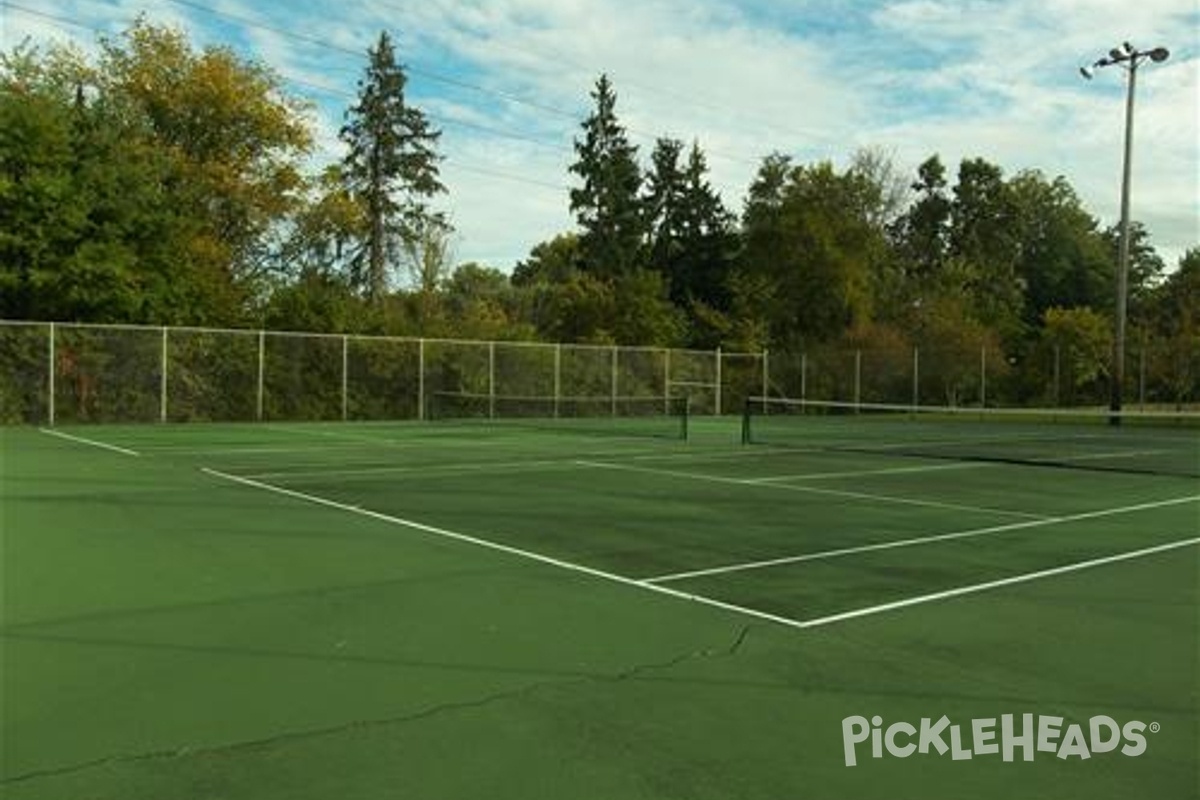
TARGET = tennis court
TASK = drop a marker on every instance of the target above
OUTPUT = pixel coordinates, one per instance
(461, 609)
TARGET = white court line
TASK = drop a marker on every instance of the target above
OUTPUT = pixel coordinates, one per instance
(468, 467)
(941, 537)
(432, 470)
(92, 442)
(988, 585)
(876, 498)
(1116, 454)
(818, 476)
(503, 548)
(708, 601)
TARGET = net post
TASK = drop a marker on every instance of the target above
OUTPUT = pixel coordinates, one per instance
(804, 376)
(719, 386)
(50, 375)
(262, 350)
(162, 379)
(345, 377)
(421, 380)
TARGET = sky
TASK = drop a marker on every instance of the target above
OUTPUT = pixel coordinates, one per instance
(508, 83)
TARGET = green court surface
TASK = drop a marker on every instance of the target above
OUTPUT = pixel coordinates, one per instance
(367, 611)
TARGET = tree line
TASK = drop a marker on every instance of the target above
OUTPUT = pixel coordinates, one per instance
(159, 183)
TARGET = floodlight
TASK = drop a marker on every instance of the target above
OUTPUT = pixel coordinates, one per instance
(1125, 54)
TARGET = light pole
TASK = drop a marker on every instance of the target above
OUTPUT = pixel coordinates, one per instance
(1130, 58)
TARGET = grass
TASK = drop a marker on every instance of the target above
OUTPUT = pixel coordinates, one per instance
(171, 633)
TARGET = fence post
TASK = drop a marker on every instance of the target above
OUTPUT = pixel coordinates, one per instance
(262, 347)
(614, 380)
(1142, 376)
(720, 386)
(667, 380)
(804, 376)
(345, 377)
(766, 374)
(491, 380)
(916, 389)
(557, 378)
(162, 384)
(50, 378)
(421, 380)
(983, 376)
(1057, 389)
(857, 380)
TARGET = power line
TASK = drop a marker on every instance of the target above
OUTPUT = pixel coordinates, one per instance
(414, 70)
(454, 163)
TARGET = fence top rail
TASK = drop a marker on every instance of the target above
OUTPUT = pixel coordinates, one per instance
(192, 329)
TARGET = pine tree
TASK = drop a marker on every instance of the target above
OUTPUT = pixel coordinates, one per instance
(391, 169)
(608, 207)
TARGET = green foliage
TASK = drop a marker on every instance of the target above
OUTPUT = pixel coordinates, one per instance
(1081, 340)
(144, 186)
(608, 206)
(553, 261)
(156, 182)
(809, 241)
(391, 169)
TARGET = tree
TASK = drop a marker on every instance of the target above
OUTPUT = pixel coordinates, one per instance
(391, 168)
(984, 243)
(235, 138)
(809, 238)
(1081, 340)
(607, 206)
(1174, 314)
(664, 204)
(553, 261)
(1061, 259)
(324, 229)
(482, 304)
(146, 185)
(692, 241)
(1145, 265)
(922, 233)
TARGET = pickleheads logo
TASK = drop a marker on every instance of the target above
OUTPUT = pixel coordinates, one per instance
(1028, 734)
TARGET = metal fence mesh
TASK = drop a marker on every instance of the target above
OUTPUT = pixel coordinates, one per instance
(70, 373)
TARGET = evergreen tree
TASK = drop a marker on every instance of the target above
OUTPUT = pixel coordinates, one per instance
(392, 169)
(608, 206)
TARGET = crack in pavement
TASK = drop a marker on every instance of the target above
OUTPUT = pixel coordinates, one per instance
(627, 674)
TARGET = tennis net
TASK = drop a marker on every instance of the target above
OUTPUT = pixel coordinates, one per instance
(1161, 443)
(659, 417)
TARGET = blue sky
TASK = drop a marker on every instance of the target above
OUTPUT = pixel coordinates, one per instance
(508, 80)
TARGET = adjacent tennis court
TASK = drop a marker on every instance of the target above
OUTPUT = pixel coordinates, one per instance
(643, 606)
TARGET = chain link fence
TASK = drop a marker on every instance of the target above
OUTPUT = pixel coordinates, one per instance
(70, 373)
